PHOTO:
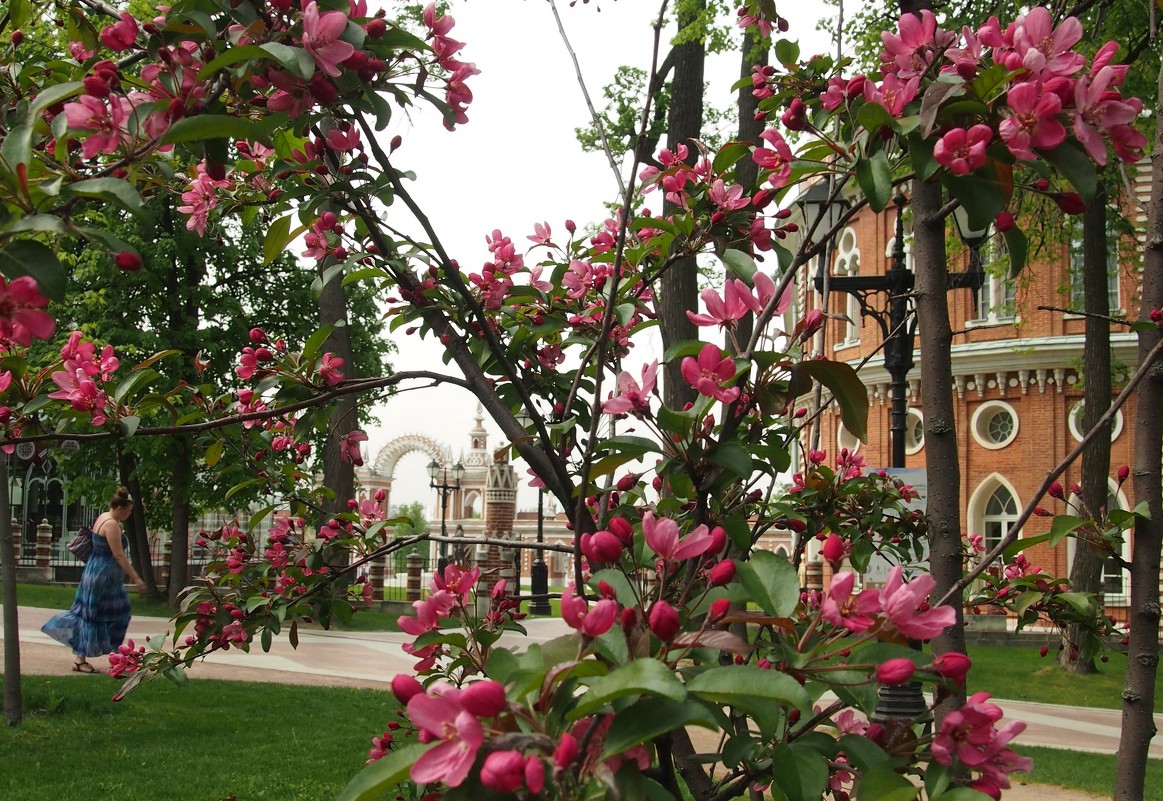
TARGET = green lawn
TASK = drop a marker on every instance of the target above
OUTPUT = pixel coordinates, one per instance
(1020, 674)
(207, 741)
(1092, 773)
(60, 596)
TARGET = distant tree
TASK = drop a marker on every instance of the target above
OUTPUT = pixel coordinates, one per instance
(419, 526)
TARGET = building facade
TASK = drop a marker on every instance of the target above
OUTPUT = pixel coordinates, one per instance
(1017, 374)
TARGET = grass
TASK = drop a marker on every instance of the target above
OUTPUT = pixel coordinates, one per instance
(60, 596)
(206, 741)
(1078, 770)
(1020, 674)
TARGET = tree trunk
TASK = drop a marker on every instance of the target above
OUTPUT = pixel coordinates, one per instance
(1143, 647)
(1087, 565)
(678, 290)
(13, 700)
(181, 478)
(942, 468)
(338, 475)
(137, 530)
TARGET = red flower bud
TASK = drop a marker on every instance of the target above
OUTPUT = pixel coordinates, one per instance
(1044, 650)
(664, 622)
(566, 752)
(627, 482)
(629, 618)
(895, 671)
(722, 573)
(1069, 202)
(17, 37)
(375, 28)
(833, 550)
(718, 541)
(605, 590)
(1124, 472)
(404, 687)
(1055, 491)
(601, 547)
(485, 699)
(1003, 222)
(127, 260)
(620, 527)
(258, 336)
(952, 666)
(719, 609)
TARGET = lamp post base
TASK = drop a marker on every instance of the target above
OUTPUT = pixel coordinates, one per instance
(441, 563)
(539, 585)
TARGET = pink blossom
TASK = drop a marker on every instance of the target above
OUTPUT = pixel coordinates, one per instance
(909, 52)
(576, 612)
(1044, 49)
(442, 717)
(727, 198)
(121, 35)
(350, 450)
(1032, 121)
(485, 698)
(903, 602)
(841, 609)
(329, 366)
(893, 93)
(633, 398)
(22, 314)
(777, 159)
(503, 771)
(662, 535)
(963, 151)
(81, 392)
(895, 671)
(1097, 111)
(541, 234)
(321, 34)
(735, 304)
(105, 121)
(200, 198)
(457, 582)
(709, 371)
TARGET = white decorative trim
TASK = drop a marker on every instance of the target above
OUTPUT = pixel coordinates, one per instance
(912, 446)
(1073, 421)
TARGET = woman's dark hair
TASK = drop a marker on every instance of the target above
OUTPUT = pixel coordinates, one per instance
(121, 498)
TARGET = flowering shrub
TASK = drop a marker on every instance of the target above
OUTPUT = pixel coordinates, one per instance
(680, 623)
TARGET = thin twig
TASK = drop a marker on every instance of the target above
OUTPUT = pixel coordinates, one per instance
(1091, 315)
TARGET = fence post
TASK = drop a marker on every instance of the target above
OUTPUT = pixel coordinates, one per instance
(165, 556)
(17, 538)
(415, 567)
(814, 576)
(43, 545)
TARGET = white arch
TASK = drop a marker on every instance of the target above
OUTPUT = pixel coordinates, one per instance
(1122, 596)
(390, 454)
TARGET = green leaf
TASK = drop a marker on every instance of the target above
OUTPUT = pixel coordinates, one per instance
(31, 258)
(734, 457)
(314, 342)
(274, 244)
(981, 195)
(931, 102)
(16, 147)
(787, 51)
(378, 778)
(213, 453)
(863, 753)
(875, 178)
(203, 127)
(771, 582)
(648, 718)
(1063, 525)
(748, 687)
(623, 589)
(842, 381)
(801, 773)
(55, 94)
(1018, 248)
(295, 59)
(1073, 164)
(129, 425)
(113, 190)
(739, 263)
(872, 116)
(729, 154)
(640, 677)
(884, 785)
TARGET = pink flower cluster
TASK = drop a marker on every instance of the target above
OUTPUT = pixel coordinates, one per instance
(22, 313)
(458, 94)
(80, 373)
(968, 735)
(903, 605)
(448, 592)
(126, 660)
(496, 277)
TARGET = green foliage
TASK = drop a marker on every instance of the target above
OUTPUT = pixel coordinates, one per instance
(418, 526)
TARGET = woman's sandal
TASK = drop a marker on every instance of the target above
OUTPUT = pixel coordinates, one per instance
(83, 667)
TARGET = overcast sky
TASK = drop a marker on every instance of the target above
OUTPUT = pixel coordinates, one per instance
(517, 163)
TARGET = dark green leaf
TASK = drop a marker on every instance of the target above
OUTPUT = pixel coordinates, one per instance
(884, 785)
(771, 582)
(787, 52)
(204, 127)
(274, 244)
(28, 257)
(640, 677)
(842, 381)
(733, 456)
(377, 779)
(875, 178)
(748, 687)
(1063, 525)
(648, 718)
(1073, 163)
(801, 773)
(315, 342)
(113, 190)
(729, 154)
(872, 116)
(1017, 247)
(981, 195)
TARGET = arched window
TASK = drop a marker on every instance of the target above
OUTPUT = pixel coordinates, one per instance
(1114, 578)
(848, 264)
(1001, 511)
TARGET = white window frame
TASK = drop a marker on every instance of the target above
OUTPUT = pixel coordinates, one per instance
(979, 424)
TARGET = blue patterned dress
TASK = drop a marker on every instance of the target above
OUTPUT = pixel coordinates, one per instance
(97, 622)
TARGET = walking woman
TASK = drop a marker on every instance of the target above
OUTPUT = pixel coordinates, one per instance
(97, 622)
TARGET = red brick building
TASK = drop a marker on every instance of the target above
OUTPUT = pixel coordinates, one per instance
(1016, 370)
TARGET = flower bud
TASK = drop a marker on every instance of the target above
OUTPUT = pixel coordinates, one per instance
(1003, 222)
(601, 547)
(1124, 472)
(535, 774)
(664, 622)
(833, 550)
(503, 771)
(1069, 202)
(566, 751)
(895, 671)
(718, 541)
(127, 260)
(485, 699)
(620, 527)
(1055, 491)
(405, 687)
(722, 573)
(719, 609)
(952, 666)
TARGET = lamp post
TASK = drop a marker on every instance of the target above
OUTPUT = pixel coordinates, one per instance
(904, 702)
(438, 479)
(539, 570)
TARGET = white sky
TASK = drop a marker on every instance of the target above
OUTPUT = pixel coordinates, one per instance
(516, 163)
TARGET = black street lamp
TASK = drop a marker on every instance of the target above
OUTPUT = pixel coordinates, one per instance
(444, 487)
(904, 702)
(539, 570)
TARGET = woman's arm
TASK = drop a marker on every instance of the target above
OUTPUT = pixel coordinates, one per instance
(119, 552)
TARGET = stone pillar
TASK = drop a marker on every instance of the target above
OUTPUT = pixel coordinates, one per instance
(814, 576)
(43, 545)
(376, 571)
(415, 567)
(17, 536)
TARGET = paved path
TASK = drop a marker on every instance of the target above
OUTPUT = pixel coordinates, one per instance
(371, 659)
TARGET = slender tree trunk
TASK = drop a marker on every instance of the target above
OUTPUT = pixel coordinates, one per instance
(1143, 647)
(338, 475)
(1086, 567)
(13, 700)
(181, 478)
(137, 531)
(942, 468)
(678, 291)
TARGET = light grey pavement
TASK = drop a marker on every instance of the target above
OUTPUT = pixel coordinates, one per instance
(371, 659)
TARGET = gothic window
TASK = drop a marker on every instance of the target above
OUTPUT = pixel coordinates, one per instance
(1001, 512)
(847, 264)
(1077, 293)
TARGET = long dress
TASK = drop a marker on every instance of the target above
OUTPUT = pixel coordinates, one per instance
(97, 622)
